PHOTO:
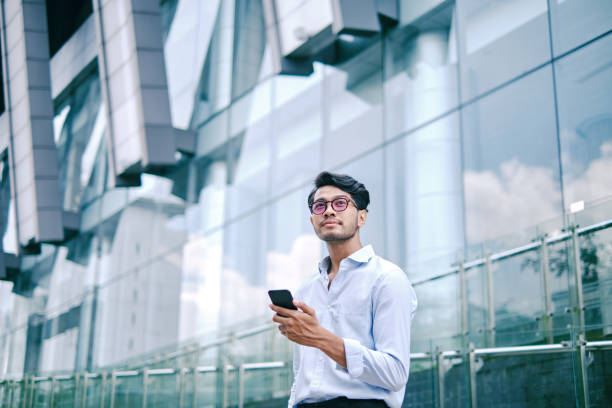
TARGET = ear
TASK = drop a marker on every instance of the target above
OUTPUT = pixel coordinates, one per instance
(311, 220)
(362, 216)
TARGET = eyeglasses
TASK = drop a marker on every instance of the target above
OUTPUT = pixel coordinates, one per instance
(338, 204)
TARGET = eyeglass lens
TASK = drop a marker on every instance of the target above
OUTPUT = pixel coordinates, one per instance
(339, 204)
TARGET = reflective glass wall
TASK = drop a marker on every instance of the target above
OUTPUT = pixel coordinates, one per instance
(483, 131)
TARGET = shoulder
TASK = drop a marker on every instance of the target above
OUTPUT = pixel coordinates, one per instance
(388, 272)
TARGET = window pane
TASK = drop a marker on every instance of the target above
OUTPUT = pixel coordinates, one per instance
(294, 250)
(423, 198)
(421, 80)
(493, 38)
(584, 89)
(511, 175)
(596, 268)
(518, 299)
(575, 21)
(353, 98)
(438, 318)
(298, 129)
(369, 171)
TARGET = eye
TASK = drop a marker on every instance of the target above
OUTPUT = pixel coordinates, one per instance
(318, 207)
(340, 203)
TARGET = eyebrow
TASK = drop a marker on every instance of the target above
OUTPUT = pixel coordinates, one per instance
(324, 199)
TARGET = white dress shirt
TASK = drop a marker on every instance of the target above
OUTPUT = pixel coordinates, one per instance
(370, 304)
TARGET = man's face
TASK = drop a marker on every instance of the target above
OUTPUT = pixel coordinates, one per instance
(333, 225)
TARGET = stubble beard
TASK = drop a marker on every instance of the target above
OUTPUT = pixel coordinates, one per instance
(338, 238)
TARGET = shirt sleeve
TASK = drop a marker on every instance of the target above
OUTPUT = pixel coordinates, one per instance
(387, 365)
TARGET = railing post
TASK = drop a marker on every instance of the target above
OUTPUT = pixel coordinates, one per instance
(84, 393)
(490, 302)
(26, 381)
(583, 383)
(545, 268)
(32, 391)
(52, 402)
(241, 386)
(113, 386)
(145, 379)
(11, 393)
(578, 276)
(440, 372)
(180, 386)
(224, 378)
(103, 380)
(75, 398)
(195, 379)
(464, 302)
(473, 400)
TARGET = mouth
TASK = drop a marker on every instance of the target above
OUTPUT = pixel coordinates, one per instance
(329, 223)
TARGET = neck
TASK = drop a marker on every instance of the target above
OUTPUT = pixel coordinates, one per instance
(338, 250)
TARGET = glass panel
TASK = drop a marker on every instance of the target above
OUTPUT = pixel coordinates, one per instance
(584, 84)
(353, 100)
(598, 374)
(596, 268)
(188, 22)
(426, 232)
(42, 394)
(297, 130)
(207, 393)
(79, 128)
(128, 391)
(478, 306)
(420, 390)
(527, 380)
(8, 232)
(573, 23)
(270, 386)
(369, 171)
(163, 390)
(492, 40)
(250, 129)
(244, 271)
(94, 392)
(421, 80)
(293, 250)
(202, 271)
(456, 392)
(518, 299)
(438, 320)
(560, 276)
(64, 393)
(511, 176)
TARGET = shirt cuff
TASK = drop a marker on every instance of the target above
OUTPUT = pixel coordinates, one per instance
(353, 352)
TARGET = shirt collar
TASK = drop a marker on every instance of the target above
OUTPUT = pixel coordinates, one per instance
(362, 255)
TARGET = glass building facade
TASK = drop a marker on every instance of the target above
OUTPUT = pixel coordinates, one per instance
(482, 129)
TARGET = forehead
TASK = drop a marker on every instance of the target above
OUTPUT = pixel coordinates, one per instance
(329, 192)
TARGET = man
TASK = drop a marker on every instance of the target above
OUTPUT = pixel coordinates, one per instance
(352, 326)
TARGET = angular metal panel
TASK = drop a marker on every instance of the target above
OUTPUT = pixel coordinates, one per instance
(35, 187)
(133, 76)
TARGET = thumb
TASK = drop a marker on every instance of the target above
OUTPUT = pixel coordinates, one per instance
(304, 307)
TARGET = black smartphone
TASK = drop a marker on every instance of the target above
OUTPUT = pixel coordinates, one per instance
(282, 298)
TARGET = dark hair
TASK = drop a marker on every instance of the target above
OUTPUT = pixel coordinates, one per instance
(345, 183)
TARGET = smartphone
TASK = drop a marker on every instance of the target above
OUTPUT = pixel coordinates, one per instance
(282, 298)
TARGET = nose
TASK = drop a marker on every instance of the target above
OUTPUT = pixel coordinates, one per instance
(329, 210)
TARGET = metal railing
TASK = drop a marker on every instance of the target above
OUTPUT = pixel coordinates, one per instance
(23, 390)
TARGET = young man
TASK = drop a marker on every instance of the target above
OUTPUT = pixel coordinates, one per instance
(352, 329)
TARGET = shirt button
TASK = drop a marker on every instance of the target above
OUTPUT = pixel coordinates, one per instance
(320, 358)
(329, 306)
